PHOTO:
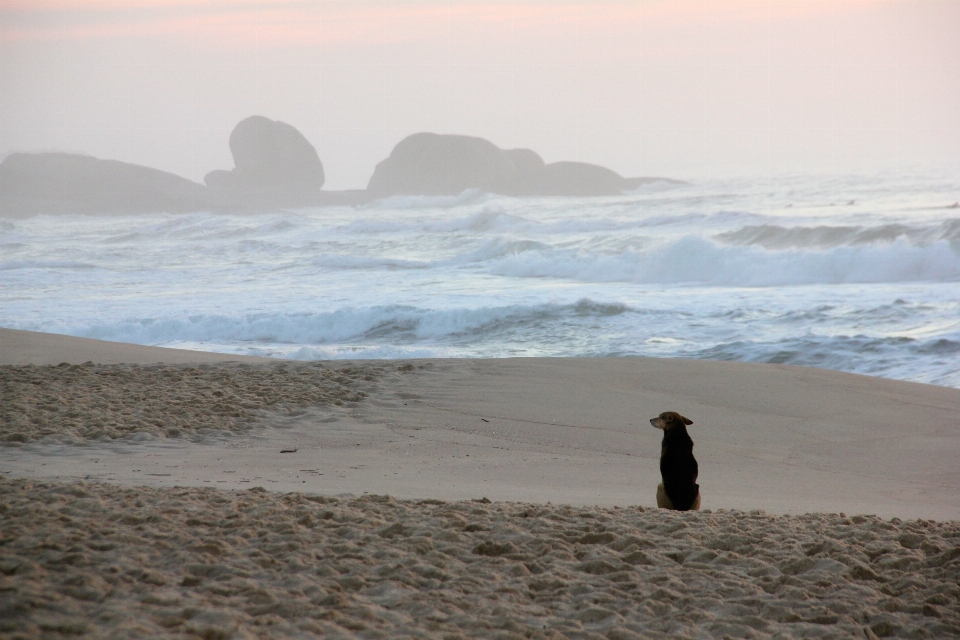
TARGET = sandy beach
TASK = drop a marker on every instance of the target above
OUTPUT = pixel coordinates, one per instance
(153, 492)
(110, 561)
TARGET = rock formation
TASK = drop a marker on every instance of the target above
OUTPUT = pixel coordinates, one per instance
(578, 179)
(34, 183)
(274, 165)
(433, 164)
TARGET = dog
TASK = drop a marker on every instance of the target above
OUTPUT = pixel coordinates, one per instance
(678, 468)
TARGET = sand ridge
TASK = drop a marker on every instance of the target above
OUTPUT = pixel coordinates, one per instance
(91, 401)
(112, 561)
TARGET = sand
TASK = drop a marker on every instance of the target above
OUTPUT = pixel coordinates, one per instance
(67, 403)
(109, 561)
(33, 347)
(572, 431)
(137, 502)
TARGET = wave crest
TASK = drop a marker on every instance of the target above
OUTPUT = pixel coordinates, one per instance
(695, 260)
(394, 323)
(776, 237)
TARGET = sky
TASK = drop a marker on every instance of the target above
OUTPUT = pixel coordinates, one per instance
(679, 88)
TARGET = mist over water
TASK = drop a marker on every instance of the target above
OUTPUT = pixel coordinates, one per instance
(856, 274)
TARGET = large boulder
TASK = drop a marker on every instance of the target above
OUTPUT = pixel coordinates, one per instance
(433, 164)
(34, 183)
(273, 164)
(528, 165)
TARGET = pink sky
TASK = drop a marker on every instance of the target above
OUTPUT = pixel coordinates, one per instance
(679, 88)
(229, 23)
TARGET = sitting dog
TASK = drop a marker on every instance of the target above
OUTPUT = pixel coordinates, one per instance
(678, 468)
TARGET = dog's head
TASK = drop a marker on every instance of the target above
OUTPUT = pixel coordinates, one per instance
(669, 419)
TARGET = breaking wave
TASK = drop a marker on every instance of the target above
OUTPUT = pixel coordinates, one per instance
(695, 260)
(774, 237)
(751, 269)
(382, 323)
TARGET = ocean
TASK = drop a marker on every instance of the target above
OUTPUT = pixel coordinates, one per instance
(854, 273)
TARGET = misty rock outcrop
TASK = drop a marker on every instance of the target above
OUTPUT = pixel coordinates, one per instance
(35, 183)
(435, 164)
(432, 164)
(527, 164)
(580, 179)
(274, 165)
(445, 164)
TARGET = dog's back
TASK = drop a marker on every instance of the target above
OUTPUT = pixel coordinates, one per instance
(678, 467)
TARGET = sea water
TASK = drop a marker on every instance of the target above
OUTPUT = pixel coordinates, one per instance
(854, 273)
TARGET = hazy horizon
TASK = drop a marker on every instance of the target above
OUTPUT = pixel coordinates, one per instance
(646, 88)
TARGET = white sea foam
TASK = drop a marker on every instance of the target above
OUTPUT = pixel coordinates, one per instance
(403, 323)
(430, 202)
(346, 262)
(695, 260)
(13, 265)
(768, 271)
(778, 237)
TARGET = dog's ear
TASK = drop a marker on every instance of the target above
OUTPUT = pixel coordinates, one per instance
(687, 420)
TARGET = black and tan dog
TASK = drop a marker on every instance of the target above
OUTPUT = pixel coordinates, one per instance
(678, 468)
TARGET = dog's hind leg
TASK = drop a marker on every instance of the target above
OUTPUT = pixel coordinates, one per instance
(663, 500)
(696, 503)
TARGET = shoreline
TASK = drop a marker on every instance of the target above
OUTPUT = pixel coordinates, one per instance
(562, 430)
(18, 348)
(468, 499)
